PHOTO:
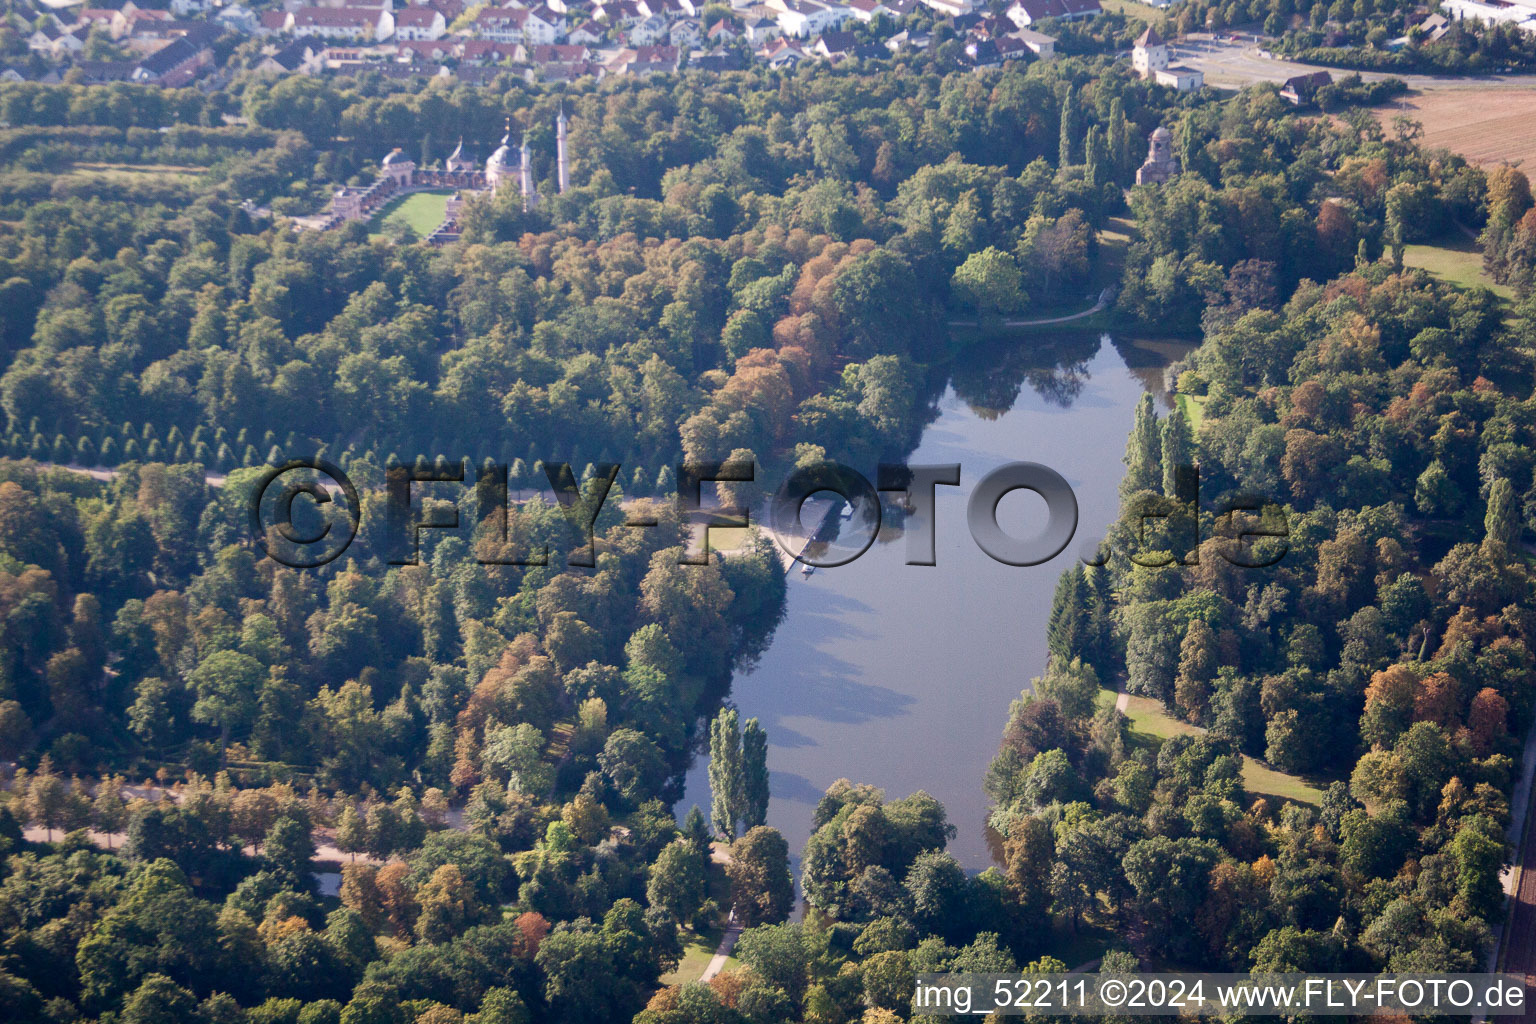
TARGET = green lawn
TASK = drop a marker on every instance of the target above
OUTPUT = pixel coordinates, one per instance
(1455, 261)
(420, 211)
(1152, 724)
(1131, 9)
(698, 950)
(699, 947)
(1194, 410)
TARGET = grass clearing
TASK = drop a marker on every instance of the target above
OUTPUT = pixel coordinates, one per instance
(1194, 409)
(1144, 13)
(1455, 261)
(1151, 725)
(420, 211)
(173, 173)
(698, 950)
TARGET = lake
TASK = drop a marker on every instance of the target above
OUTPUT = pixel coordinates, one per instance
(901, 675)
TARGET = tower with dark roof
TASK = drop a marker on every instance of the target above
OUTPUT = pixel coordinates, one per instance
(1150, 54)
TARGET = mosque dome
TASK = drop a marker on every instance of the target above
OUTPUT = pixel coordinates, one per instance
(500, 157)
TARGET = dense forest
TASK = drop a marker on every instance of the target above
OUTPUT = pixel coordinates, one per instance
(748, 265)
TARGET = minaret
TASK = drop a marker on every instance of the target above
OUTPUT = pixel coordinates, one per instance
(562, 162)
(527, 171)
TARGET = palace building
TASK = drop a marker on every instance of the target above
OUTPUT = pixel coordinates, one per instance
(399, 175)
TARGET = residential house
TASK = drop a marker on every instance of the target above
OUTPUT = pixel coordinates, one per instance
(173, 65)
(717, 61)
(982, 53)
(781, 53)
(806, 18)
(418, 22)
(761, 30)
(54, 41)
(671, 9)
(622, 13)
(951, 8)
(834, 45)
(488, 51)
(867, 10)
(1300, 90)
(561, 72)
(302, 56)
(1044, 46)
(568, 53)
(588, 33)
(556, 20)
(422, 51)
(722, 32)
(1434, 28)
(904, 40)
(140, 24)
(97, 18)
(648, 31)
(685, 35)
(269, 23)
(1013, 48)
(644, 60)
(513, 25)
(100, 72)
(356, 24)
(182, 8)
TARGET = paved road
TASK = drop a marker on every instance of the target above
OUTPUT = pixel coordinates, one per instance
(1518, 940)
(1236, 64)
(722, 952)
(1520, 943)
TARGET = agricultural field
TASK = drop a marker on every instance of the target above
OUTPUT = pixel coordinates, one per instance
(1488, 125)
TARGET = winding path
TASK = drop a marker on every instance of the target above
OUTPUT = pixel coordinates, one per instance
(1098, 307)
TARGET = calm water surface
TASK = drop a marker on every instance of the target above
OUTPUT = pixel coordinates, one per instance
(901, 675)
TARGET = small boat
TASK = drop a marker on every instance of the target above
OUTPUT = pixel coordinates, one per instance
(807, 570)
(847, 512)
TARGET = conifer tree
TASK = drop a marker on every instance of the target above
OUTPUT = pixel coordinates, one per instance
(696, 831)
(1071, 128)
(1197, 667)
(1119, 139)
(1501, 524)
(1143, 452)
(1066, 634)
(1178, 449)
(725, 773)
(754, 775)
